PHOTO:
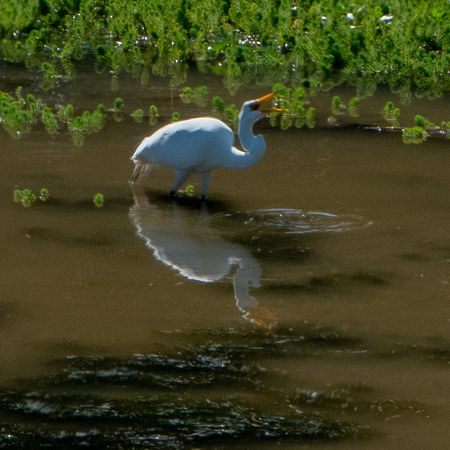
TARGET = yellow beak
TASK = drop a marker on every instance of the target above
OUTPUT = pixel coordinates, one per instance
(266, 98)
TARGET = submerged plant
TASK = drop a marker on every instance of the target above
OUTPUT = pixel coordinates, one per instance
(99, 200)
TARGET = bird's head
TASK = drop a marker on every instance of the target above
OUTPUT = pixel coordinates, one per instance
(251, 109)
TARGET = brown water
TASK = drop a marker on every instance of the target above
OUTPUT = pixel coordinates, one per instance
(337, 228)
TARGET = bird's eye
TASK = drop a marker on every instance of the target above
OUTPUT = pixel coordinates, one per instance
(254, 106)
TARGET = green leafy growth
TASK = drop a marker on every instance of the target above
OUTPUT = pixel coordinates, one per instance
(337, 107)
(197, 95)
(218, 105)
(26, 197)
(153, 112)
(422, 122)
(353, 107)
(99, 200)
(295, 108)
(49, 120)
(44, 195)
(189, 189)
(175, 116)
(118, 103)
(404, 45)
(414, 135)
(231, 114)
(138, 115)
(445, 129)
(391, 113)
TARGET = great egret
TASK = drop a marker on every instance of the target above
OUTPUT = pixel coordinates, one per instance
(197, 146)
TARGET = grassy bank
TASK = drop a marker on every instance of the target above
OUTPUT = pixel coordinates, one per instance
(405, 44)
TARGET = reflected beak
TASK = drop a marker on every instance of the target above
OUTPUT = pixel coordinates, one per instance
(265, 98)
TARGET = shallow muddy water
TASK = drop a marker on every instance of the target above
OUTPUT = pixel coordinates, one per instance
(312, 287)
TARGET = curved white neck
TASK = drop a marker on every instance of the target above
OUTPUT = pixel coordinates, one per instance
(254, 147)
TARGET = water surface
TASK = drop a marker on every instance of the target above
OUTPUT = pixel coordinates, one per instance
(326, 265)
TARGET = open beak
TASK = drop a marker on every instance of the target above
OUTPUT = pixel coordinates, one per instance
(265, 98)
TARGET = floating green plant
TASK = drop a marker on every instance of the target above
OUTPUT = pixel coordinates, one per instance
(175, 116)
(414, 135)
(26, 197)
(153, 112)
(49, 120)
(138, 115)
(44, 195)
(337, 107)
(353, 107)
(391, 113)
(422, 122)
(189, 189)
(99, 200)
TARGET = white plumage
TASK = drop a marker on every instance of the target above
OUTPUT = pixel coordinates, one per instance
(198, 146)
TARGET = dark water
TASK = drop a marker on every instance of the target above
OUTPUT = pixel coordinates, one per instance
(306, 303)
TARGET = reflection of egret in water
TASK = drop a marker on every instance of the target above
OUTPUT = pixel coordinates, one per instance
(182, 239)
(193, 243)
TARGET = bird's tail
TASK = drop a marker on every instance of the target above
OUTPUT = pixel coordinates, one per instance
(140, 170)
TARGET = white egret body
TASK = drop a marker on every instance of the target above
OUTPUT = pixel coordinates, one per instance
(198, 146)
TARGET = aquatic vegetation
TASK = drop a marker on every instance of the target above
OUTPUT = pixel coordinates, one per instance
(153, 113)
(138, 115)
(414, 135)
(402, 44)
(175, 116)
(49, 120)
(99, 200)
(423, 123)
(44, 195)
(336, 105)
(353, 107)
(26, 197)
(189, 190)
(294, 103)
(197, 95)
(19, 114)
(391, 113)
